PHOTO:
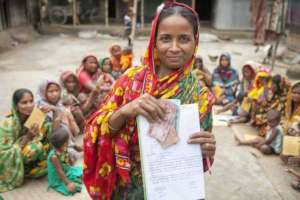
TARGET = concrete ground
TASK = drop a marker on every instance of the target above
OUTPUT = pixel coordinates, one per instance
(238, 172)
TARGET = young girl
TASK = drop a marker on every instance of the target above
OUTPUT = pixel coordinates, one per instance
(62, 177)
(50, 101)
(272, 143)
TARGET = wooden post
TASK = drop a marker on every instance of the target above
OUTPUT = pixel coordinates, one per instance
(134, 15)
(142, 14)
(106, 13)
(75, 19)
(194, 4)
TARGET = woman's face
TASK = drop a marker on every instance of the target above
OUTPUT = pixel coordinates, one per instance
(263, 80)
(91, 64)
(71, 83)
(53, 93)
(175, 42)
(116, 51)
(25, 105)
(247, 73)
(224, 62)
(198, 64)
(107, 66)
(296, 93)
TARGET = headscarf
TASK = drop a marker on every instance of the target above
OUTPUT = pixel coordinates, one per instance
(258, 89)
(101, 62)
(42, 91)
(81, 68)
(82, 72)
(247, 85)
(110, 161)
(65, 75)
(65, 94)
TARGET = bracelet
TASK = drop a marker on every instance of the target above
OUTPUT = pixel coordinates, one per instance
(112, 128)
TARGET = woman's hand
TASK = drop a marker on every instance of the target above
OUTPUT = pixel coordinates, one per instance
(33, 131)
(71, 187)
(48, 108)
(148, 106)
(207, 142)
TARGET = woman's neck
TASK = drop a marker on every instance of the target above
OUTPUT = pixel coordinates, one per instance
(23, 118)
(163, 71)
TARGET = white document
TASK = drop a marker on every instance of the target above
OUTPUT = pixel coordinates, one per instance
(175, 173)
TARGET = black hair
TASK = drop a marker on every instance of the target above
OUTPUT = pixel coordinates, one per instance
(276, 80)
(275, 114)
(19, 94)
(240, 97)
(60, 136)
(181, 11)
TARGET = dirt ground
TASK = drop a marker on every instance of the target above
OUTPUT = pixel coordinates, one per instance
(238, 172)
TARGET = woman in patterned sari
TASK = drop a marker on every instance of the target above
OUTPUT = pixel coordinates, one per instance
(292, 111)
(225, 81)
(111, 151)
(23, 152)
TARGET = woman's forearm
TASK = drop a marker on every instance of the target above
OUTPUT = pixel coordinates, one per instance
(117, 120)
(87, 105)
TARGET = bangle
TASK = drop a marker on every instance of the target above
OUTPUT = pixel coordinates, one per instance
(112, 128)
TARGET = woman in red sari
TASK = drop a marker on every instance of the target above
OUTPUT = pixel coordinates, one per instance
(111, 151)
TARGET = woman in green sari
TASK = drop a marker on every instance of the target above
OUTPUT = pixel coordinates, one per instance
(23, 151)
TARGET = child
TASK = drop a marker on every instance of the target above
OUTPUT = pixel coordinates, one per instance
(62, 177)
(295, 184)
(272, 143)
(126, 58)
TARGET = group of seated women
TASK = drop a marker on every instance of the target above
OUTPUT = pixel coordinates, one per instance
(67, 104)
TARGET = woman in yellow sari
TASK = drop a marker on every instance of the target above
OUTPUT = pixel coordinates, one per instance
(261, 97)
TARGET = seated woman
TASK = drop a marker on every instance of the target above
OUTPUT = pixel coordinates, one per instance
(202, 72)
(225, 81)
(93, 82)
(263, 99)
(292, 111)
(291, 121)
(281, 87)
(23, 151)
(241, 105)
(81, 105)
(115, 173)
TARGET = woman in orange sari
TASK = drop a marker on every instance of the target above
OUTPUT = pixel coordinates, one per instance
(111, 151)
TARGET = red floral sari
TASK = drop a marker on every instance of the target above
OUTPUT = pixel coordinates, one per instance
(112, 162)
